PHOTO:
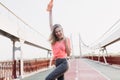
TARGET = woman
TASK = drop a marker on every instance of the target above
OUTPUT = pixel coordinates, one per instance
(61, 50)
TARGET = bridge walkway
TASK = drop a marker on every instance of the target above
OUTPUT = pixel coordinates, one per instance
(83, 69)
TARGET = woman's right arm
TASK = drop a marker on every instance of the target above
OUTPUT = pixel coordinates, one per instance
(67, 46)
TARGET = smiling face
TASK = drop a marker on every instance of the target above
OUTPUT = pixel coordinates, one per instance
(59, 33)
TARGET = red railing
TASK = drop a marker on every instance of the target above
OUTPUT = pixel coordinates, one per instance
(113, 60)
(10, 70)
(34, 65)
(7, 70)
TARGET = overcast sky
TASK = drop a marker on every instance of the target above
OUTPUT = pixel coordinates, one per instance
(89, 18)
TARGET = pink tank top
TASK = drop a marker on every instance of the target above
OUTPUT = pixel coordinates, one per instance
(59, 49)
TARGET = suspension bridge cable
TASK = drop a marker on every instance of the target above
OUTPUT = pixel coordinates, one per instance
(82, 42)
(22, 20)
(108, 30)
